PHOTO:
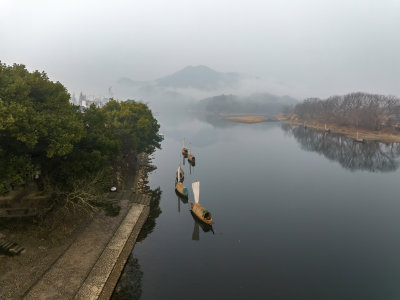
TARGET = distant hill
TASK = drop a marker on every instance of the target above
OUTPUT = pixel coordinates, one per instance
(267, 104)
(199, 77)
(196, 77)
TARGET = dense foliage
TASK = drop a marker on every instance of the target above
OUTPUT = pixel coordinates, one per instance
(47, 140)
(369, 111)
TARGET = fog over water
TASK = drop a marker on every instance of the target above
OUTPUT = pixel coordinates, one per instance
(299, 48)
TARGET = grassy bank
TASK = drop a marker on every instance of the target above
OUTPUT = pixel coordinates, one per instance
(245, 118)
(386, 135)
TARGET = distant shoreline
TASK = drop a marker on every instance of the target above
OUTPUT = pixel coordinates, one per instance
(246, 118)
(386, 135)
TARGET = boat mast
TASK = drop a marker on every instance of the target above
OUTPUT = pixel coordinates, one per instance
(179, 172)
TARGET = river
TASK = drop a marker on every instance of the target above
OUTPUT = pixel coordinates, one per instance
(298, 214)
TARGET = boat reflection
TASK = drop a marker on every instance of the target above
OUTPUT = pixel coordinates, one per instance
(184, 200)
(197, 225)
(191, 167)
(369, 156)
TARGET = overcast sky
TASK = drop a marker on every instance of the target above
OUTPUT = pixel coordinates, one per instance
(312, 47)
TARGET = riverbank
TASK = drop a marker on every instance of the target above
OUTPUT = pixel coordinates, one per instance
(246, 118)
(86, 262)
(385, 135)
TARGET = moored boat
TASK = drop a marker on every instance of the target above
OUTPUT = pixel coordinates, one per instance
(359, 140)
(191, 157)
(327, 130)
(180, 175)
(200, 212)
(181, 189)
(184, 149)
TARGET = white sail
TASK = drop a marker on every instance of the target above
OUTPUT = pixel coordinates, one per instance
(196, 191)
(179, 173)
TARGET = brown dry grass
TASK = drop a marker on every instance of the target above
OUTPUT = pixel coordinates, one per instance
(386, 135)
(246, 119)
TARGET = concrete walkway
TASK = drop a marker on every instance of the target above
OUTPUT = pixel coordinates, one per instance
(90, 267)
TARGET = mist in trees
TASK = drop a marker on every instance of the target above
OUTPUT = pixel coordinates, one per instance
(369, 111)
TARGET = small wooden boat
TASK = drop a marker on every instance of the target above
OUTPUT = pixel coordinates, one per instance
(191, 157)
(327, 130)
(180, 175)
(200, 212)
(358, 140)
(181, 189)
(184, 149)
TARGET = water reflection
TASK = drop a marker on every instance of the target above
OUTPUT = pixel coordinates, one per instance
(130, 283)
(191, 168)
(180, 199)
(155, 211)
(197, 226)
(370, 156)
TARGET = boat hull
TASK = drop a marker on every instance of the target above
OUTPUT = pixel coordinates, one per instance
(198, 211)
(191, 159)
(182, 175)
(181, 190)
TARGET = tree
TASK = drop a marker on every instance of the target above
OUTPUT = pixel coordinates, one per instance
(135, 125)
(38, 123)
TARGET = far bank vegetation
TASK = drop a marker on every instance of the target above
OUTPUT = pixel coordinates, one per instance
(359, 110)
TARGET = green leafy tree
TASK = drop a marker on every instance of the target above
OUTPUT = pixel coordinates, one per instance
(134, 124)
(37, 123)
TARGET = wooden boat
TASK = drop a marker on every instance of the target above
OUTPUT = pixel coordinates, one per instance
(205, 227)
(200, 212)
(181, 189)
(358, 140)
(184, 149)
(191, 157)
(327, 130)
(180, 175)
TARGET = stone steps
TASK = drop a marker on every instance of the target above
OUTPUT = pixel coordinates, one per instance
(10, 248)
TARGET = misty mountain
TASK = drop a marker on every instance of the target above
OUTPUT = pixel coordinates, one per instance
(199, 77)
(264, 103)
(196, 77)
(129, 82)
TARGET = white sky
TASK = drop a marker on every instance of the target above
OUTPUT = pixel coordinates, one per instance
(313, 47)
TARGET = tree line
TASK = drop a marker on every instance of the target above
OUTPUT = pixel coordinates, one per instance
(47, 141)
(369, 111)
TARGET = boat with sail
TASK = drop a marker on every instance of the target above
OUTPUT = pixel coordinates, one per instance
(199, 211)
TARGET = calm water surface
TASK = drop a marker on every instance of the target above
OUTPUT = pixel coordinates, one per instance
(298, 215)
